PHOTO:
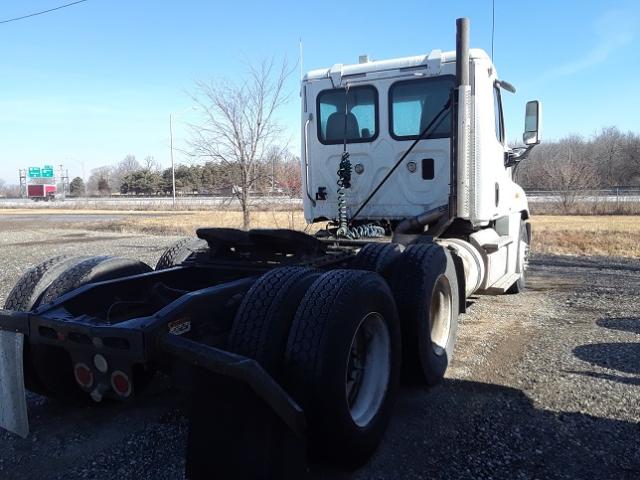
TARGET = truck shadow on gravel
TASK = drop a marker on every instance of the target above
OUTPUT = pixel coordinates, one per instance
(471, 430)
(457, 430)
(623, 357)
(623, 324)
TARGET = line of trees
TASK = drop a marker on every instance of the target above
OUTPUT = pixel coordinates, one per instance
(609, 158)
(276, 172)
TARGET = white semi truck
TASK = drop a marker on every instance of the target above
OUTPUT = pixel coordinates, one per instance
(292, 345)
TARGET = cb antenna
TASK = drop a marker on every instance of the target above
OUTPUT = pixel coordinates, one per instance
(493, 24)
(301, 57)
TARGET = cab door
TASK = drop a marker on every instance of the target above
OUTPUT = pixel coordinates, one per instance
(347, 115)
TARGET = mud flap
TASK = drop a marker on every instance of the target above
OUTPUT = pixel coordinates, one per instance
(13, 401)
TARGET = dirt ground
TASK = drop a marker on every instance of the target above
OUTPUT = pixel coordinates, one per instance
(543, 385)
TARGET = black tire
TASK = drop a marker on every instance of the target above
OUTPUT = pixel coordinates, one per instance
(25, 296)
(26, 293)
(425, 287)
(92, 270)
(48, 369)
(378, 257)
(261, 326)
(523, 257)
(180, 251)
(319, 356)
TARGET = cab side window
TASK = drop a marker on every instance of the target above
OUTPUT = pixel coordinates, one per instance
(497, 110)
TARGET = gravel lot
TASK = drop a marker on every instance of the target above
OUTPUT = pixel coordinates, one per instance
(545, 384)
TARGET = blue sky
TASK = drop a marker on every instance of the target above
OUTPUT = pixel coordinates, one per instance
(89, 84)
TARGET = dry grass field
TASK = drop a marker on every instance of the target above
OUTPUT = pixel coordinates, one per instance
(186, 223)
(617, 236)
(569, 235)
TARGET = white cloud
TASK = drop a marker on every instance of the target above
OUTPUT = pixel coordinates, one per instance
(614, 30)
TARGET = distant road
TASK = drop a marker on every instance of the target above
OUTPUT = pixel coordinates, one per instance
(550, 197)
(146, 203)
(193, 203)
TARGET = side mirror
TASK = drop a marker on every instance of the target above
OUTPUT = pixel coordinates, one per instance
(532, 123)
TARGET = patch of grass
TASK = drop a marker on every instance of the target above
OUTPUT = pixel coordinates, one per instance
(566, 235)
(186, 223)
(617, 236)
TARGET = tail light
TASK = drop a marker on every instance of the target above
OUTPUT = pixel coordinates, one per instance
(120, 383)
(83, 375)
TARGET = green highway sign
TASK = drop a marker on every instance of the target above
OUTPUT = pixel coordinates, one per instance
(47, 171)
(34, 172)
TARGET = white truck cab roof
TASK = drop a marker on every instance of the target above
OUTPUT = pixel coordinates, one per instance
(433, 61)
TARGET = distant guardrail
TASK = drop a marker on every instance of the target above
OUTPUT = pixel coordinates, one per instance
(146, 203)
(617, 195)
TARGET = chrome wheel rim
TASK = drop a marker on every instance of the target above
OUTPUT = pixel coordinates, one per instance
(368, 368)
(440, 312)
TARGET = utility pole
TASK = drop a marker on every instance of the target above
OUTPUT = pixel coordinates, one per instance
(173, 169)
(62, 187)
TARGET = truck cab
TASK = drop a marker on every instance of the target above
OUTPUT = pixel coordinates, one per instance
(421, 143)
(376, 110)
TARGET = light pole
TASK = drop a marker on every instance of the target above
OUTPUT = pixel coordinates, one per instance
(173, 168)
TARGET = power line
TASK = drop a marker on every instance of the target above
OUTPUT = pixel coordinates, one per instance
(42, 12)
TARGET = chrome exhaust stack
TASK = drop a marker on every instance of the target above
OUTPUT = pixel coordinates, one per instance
(464, 161)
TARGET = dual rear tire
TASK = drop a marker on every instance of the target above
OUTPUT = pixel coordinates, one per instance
(336, 341)
(426, 289)
(333, 341)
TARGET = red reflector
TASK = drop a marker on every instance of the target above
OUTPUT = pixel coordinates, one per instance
(120, 383)
(83, 374)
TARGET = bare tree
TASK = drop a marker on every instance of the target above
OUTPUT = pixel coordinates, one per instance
(97, 174)
(570, 171)
(239, 125)
(631, 167)
(9, 190)
(151, 164)
(127, 165)
(608, 147)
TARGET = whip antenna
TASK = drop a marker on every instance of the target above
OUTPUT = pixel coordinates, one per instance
(301, 58)
(493, 24)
